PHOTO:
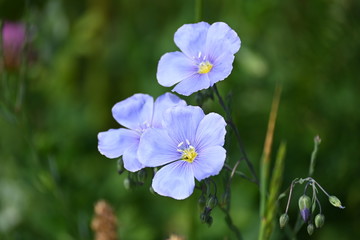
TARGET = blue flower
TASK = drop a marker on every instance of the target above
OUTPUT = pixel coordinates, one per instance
(189, 145)
(206, 58)
(137, 114)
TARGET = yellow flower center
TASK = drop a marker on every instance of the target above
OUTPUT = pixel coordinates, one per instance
(189, 154)
(205, 67)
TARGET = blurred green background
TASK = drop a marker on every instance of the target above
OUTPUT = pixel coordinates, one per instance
(91, 54)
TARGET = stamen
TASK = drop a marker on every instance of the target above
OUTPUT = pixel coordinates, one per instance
(142, 127)
(189, 154)
(205, 67)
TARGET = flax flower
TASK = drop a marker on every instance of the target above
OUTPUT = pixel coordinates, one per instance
(190, 145)
(137, 114)
(206, 58)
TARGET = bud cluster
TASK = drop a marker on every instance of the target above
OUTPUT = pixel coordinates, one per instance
(207, 200)
(206, 205)
(308, 205)
(134, 179)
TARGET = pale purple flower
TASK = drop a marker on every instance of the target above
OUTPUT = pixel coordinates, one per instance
(206, 58)
(137, 114)
(13, 41)
(190, 145)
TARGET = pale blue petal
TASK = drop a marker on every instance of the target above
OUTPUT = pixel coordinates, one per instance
(222, 68)
(211, 131)
(114, 142)
(192, 84)
(175, 180)
(182, 122)
(134, 112)
(130, 159)
(173, 67)
(162, 103)
(221, 38)
(156, 148)
(209, 162)
(191, 38)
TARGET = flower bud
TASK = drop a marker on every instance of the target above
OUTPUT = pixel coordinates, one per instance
(120, 166)
(304, 202)
(212, 202)
(335, 202)
(127, 183)
(141, 176)
(319, 220)
(202, 202)
(305, 214)
(225, 199)
(204, 216)
(13, 42)
(284, 218)
(209, 220)
(304, 206)
(310, 229)
(152, 190)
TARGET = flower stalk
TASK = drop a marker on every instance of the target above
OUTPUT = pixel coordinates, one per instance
(317, 142)
(231, 123)
(265, 222)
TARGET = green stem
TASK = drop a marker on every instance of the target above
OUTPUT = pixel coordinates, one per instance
(230, 122)
(317, 142)
(230, 224)
(299, 223)
(265, 221)
(239, 173)
(264, 175)
(198, 10)
(20, 93)
(291, 189)
(5, 87)
(322, 189)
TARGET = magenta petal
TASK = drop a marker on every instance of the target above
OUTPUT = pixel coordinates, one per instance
(134, 112)
(209, 162)
(13, 42)
(130, 159)
(174, 67)
(211, 131)
(191, 38)
(114, 142)
(175, 180)
(192, 84)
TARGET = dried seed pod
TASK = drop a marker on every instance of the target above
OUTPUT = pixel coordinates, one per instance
(104, 223)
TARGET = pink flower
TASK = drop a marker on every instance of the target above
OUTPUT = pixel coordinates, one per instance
(13, 41)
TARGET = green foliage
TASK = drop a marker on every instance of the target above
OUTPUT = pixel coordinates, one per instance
(88, 55)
